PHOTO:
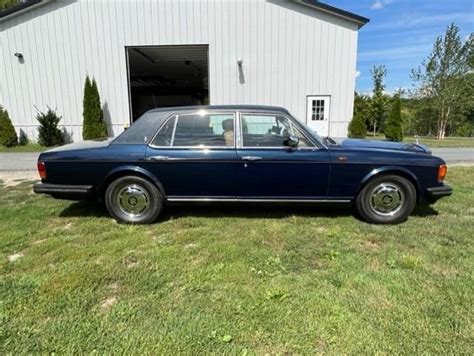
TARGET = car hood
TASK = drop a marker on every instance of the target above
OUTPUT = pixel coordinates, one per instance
(384, 145)
(83, 145)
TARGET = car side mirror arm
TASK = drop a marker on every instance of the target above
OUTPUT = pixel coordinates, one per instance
(291, 142)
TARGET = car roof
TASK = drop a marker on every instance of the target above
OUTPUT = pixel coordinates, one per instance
(139, 131)
(220, 107)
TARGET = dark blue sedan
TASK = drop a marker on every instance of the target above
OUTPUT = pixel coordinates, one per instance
(240, 154)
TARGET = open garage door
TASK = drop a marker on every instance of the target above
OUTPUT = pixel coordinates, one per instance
(162, 76)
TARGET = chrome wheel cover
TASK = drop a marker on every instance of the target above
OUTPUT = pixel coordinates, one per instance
(133, 200)
(386, 199)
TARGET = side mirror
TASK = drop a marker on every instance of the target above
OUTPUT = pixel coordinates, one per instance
(291, 141)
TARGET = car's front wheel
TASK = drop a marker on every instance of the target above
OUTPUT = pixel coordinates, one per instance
(133, 200)
(387, 199)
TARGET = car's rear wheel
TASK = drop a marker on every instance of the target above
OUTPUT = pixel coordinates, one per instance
(388, 199)
(133, 200)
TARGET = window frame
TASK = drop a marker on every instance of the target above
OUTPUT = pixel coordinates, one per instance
(290, 119)
(199, 112)
(171, 117)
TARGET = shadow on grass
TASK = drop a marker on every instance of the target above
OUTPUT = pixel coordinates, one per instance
(254, 211)
(218, 210)
(84, 209)
(424, 210)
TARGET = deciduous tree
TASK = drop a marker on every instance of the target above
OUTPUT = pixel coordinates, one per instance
(444, 79)
(378, 106)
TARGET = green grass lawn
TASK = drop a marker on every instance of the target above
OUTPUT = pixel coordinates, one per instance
(31, 147)
(236, 280)
(433, 141)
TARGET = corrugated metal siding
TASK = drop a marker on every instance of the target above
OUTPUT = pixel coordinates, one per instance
(289, 51)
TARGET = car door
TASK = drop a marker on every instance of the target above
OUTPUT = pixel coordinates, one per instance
(270, 170)
(193, 155)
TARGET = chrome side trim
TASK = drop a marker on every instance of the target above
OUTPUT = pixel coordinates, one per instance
(157, 158)
(254, 200)
(251, 158)
(202, 148)
(313, 149)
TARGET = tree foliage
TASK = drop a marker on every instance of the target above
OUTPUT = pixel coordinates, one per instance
(445, 81)
(8, 136)
(393, 128)
(93, 125)
(357, 126)
(378, 107)
(49, 132)
(23, 139)
(7, 4)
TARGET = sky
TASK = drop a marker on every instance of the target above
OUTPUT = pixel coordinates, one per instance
(401, 34)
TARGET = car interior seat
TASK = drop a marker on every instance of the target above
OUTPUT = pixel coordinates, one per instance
(228, 127)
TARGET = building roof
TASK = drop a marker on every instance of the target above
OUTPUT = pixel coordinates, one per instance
(360, 20)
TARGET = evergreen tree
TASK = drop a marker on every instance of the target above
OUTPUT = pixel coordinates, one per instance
(357, 127)
(393, 127)
(23, 139)
(94, 125)
(8, 136)
(49, 133)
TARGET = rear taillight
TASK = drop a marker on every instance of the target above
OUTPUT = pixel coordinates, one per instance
(442, 171)
(41, 170)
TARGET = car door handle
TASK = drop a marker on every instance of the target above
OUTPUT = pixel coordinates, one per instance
(251, 158)
(157, 158)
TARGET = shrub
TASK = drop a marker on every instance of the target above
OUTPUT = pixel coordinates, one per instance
(49, 133)
(393, 127)
(23, 139)
(93, 125)
(357, 128)
(8, 135)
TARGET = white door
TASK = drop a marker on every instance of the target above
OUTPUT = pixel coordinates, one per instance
(317, 113)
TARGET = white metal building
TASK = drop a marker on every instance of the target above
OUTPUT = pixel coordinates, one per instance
(152, 53)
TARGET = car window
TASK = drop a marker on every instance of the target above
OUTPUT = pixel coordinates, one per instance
(304, 142)
(142, 129)
(206, 130)
(269, 131)
(165, 135)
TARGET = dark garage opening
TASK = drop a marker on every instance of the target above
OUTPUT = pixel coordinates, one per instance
(161, 76)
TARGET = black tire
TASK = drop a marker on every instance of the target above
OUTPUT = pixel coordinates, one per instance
(387, 199)
(133, 200)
